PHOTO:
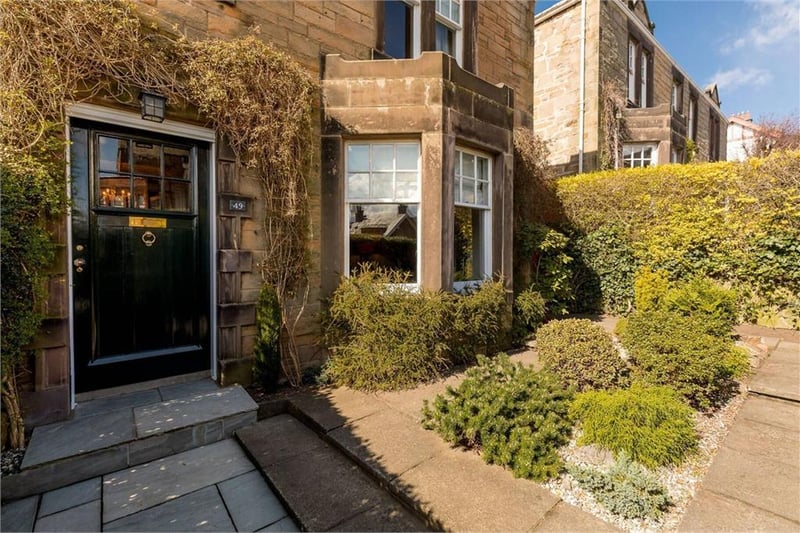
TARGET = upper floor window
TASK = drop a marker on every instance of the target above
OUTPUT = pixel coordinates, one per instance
(472, 224)
(447, 32)
(677, 96)
(692, 126)
(401, 29)
(639, 60)
(639, 155)
(713, 136)
(382, 197)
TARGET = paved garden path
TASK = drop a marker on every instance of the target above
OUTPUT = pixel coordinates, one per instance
(754, 481)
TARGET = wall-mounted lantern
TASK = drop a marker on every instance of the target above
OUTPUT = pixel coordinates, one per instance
(154, 106)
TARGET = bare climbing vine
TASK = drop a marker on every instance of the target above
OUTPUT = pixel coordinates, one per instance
(57, 52)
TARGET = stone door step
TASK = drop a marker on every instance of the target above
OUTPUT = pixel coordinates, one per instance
(113, 433)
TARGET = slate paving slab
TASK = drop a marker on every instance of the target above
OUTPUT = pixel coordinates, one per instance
(250, 502)
(202, 510)
(134, 489)
(75, 437)
(284, 524)
(84, 517)
(71, 496)
(188, 389)
(116, 403)
(19, 515)
(188, 411)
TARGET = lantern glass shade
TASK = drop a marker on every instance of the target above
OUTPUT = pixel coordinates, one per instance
(153, 106)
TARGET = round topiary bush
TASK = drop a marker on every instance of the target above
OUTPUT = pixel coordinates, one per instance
(652, 424)
(581, 353)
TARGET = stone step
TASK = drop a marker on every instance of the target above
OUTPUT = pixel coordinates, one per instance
(325, 490)
(113, 433)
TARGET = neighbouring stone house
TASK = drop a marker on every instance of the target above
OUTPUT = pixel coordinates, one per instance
(590, 52)
(158, 273)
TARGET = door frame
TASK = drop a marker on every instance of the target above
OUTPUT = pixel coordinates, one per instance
(117, 117)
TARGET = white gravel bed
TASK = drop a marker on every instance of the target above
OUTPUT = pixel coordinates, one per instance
(681, 482)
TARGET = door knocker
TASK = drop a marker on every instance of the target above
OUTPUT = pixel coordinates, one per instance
(148, 238)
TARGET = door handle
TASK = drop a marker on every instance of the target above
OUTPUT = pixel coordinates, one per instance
(79, 264)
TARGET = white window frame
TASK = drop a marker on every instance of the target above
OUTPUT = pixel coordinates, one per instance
(644, 58)
(456, 26)
(486, 217)
(677, 96)
(633, 61)
(348, 201)
(692, 118)
(641, 146)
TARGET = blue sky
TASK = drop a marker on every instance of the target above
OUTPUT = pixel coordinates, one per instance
(750, 48)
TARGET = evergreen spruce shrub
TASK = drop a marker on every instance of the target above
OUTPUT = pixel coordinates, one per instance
(651, 424)
(384, 336)
(712, 305)
(267, 350)
(668, 348)
(516, 416)
(581, 353)
(529, 313)
(627, 489)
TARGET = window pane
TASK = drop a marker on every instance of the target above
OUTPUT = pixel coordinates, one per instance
(176, 162)
(357, 158)
(407, 157)
(483, 193)
(483, 168)
(358, 185)
(147, 158)
(406, 186)
(468, 165)
(384, 235)
(147, 193)
(455, 12)
(468, 191)
(382, 157)
(469, 244)
(177, 195)
(382, 186)
(444, 39)
(457, 189)
(397, 29)
(114, 191)
(113, 154)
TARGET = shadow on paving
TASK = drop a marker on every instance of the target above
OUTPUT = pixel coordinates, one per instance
(317, 448)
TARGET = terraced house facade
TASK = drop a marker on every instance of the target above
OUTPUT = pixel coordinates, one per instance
(608, 95)
(159, 272)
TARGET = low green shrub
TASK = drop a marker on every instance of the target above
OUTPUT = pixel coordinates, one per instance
(383, 335)
(711, 304)
(581, 354)
(667, 348)
(626, 489)
(650, 289)
(651, 424)
(267, 349)
(516, 416)
(529, 313)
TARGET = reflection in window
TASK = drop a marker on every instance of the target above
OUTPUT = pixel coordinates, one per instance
(134, 174)
(447, 29)
(384, 235)
(383, 197)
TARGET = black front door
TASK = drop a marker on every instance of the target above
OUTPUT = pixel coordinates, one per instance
(140, 250)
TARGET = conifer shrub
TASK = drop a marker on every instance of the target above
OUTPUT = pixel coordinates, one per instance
(516, 416)
(383, 335)
(651, 424)
(668, 348)
(529, 313)
(581, 354)
(713, 305)
(626, 489)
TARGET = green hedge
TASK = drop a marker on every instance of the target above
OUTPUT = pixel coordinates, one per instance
(383, 335)
(736, 223)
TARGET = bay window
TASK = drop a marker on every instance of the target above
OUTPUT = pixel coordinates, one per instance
(472, 224)
(382, 211)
